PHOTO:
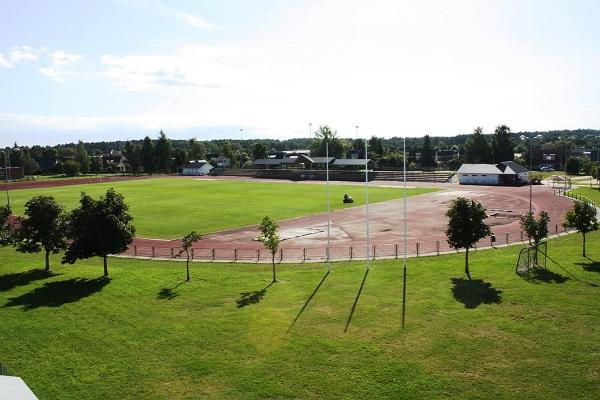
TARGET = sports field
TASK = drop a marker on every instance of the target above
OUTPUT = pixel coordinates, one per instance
(145, 334)
(168, 208)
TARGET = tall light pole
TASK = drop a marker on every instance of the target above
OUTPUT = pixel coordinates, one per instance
(523, 137)
(367, 202)
(405, 236)
(6, 175)
(310, 130)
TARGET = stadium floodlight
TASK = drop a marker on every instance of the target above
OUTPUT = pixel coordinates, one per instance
(310, 130)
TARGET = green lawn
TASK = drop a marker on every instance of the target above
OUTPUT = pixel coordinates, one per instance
(168, 208)
(590, 193)
(145, 334)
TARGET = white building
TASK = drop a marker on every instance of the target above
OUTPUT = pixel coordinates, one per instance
(505, 173)
(196, 168)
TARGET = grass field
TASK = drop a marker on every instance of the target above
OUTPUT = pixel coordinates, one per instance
(145, 334)
(169, 208)
(589, 193)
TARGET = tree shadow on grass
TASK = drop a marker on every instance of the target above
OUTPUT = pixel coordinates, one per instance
(592, 266)
(168, 293)
(254, 297)
(10, 281)
(543, 275)
(55, 294)
(472, 293)
(570, 274)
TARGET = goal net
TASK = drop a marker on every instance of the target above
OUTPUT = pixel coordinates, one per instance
(530, 257)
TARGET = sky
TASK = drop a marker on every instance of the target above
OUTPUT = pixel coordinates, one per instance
(123, 69)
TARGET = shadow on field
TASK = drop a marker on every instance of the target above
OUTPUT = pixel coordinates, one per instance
(570, 274)
(362, 284)
(168, 293)
(308, 300)
(10, 281)
(254, 297)
(542, 275)
(55, 294)
(473, 293)
(592, 266)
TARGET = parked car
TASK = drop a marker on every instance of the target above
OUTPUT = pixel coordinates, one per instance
(547, 169)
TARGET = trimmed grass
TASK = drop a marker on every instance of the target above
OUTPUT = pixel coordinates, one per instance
(168, 208)
(147, 334)
(590, 193)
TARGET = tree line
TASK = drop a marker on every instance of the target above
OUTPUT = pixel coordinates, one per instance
(165, 155)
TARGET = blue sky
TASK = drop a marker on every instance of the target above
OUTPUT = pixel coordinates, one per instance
(103, 70)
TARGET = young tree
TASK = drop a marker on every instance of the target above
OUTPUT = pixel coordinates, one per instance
(269, 237)
(147, 156)
(99, 228)
(187, 242)
(502, 146)
(582, 216)
(42, 228)
(466, 226)
(6, 229)
(536, 230)
(477, 149)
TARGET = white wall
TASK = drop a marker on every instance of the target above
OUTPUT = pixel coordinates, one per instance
(478, 179)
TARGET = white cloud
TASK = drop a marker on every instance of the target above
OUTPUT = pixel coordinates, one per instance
(21, 53)
(196, 21)
(16, 55)
(61, 62)
(4, 62)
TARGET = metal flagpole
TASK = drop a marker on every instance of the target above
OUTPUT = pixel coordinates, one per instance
(367, 203)
(328, 201)
(405, 236)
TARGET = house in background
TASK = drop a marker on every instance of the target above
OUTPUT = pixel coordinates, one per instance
(504, 173)
(196, 168)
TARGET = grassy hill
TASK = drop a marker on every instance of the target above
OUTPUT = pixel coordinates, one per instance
(146, 334)
(168, 208)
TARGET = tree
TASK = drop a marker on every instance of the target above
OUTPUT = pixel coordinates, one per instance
(573, 165)
(147, 156)
(427, 153)
(477, 149)
(502, 145)
(99, 228)
(187, 242)
(259, 151)
(376, 149)
(81, 156)
(71, 167)
(133, 154)
(269, 237)
(42, 228)
(337, 147)
(197, 150)
(582, 216)
(466, 226)
(6, 230)
(536, 230)
(162, 152)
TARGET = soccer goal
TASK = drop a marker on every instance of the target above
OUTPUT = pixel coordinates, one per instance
(530, 258)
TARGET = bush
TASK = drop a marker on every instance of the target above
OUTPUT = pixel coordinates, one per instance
(71, 167)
